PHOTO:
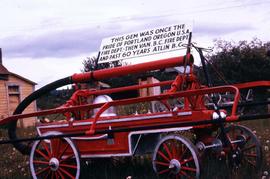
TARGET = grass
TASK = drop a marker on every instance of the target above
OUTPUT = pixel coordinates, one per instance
(15, 165)
(12, 163)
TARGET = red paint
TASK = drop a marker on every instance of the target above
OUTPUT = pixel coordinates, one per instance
(185, 87)
(131, 69)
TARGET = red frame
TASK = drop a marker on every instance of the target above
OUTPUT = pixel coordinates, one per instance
(184, 86)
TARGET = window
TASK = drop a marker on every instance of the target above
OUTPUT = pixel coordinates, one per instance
(13, 89)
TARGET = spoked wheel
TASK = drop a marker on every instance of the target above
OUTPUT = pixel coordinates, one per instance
(245, 150)
(54, 158)
(176, 157)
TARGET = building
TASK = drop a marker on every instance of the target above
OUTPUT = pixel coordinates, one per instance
(13, 89)
(149, 91)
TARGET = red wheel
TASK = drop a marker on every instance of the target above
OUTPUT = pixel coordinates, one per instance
(176, 157)
(54, 158)
(245, 150)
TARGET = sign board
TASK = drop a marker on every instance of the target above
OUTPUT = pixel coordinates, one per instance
(147, 45)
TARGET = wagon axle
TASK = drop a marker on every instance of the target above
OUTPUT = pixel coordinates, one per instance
(216, 146)
(175, 166)
(54, 164)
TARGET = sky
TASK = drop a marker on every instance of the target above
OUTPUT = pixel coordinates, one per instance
(48, 40)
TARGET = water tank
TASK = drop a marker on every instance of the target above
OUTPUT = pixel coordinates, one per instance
(104, 99)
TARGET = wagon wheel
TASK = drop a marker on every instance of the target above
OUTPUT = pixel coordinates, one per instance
(246, 153)
(54, 158)
(176, 157)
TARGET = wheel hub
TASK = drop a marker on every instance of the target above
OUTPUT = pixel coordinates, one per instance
(54, 164)
(243, 140)
(175, 166)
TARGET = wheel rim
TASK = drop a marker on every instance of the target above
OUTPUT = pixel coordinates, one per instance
(245, 154)
(54, 158)
(176, 157)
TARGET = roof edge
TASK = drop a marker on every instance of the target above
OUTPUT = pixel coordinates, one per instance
(25, 79)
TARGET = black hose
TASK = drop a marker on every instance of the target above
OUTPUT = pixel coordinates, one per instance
(23, 148)
(248, 117)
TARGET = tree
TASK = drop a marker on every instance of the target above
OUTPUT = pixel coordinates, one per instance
(236, 62)
(241, 62)
(91, 64)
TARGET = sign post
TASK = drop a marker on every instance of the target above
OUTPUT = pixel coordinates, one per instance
(144, 46)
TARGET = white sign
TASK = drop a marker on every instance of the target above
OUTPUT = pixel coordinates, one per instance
(149, 43)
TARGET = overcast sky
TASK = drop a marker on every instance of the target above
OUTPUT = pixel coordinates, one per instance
(47, 40)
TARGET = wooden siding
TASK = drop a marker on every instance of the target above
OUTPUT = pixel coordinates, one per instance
(8, 102)
(4, 100)
(149, 91)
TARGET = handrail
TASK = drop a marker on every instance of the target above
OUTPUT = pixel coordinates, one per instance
(221, 89)
(203, 91)
(252, 84)
(69, 108)
(120, 89)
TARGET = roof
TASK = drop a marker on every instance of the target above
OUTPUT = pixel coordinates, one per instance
(3, 70)
(22, 78)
